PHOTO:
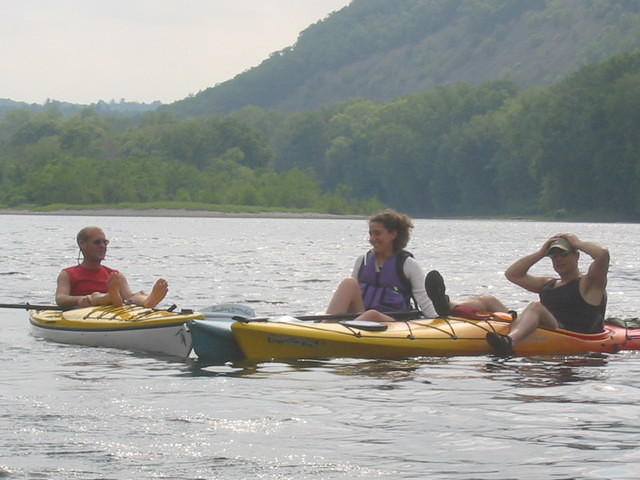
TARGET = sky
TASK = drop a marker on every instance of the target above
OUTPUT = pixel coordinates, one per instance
(83, 51)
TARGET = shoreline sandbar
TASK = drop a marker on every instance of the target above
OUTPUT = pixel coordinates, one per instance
(176, 212)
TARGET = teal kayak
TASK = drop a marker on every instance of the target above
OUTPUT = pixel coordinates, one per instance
(212, 338)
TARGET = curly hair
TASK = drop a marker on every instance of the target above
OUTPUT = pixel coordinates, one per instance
(395, 222)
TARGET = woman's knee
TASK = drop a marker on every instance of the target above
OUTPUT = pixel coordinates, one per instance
(348, 282)
(349, 285)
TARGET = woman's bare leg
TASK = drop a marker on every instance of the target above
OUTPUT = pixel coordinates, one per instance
(347, 298)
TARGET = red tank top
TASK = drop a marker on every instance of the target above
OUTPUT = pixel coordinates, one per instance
(85, 281)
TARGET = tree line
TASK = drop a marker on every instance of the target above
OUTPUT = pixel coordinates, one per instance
(570, 149)
(88, 158)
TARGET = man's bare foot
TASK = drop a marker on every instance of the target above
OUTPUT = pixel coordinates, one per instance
(158, 292)
(114, 282)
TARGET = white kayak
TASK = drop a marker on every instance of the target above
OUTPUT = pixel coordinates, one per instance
(128, 327)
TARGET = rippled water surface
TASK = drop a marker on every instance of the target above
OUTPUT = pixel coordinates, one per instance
(71, 412)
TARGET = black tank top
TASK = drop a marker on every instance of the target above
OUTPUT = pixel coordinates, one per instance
(571, 310)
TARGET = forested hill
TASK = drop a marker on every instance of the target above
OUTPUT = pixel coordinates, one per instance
(382, 49)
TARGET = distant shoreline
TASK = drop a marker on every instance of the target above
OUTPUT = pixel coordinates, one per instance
(176, 212)
(195, 213)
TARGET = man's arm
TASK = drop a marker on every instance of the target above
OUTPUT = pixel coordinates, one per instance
(518, 272)
(595, 281)
(65, 299)
(63, 293)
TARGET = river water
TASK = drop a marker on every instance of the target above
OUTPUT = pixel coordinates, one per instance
(72, 412)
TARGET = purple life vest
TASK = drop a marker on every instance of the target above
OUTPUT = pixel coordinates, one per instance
(387, 290)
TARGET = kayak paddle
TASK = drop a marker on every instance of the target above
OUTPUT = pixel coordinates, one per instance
(29, 306)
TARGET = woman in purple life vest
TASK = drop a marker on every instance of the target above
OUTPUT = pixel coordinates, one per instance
(91, 283)
(385, 279)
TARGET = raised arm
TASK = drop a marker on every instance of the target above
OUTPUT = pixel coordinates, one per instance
(596, 277)
(518, 272)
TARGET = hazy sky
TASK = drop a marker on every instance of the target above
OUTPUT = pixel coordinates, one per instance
(82, 51)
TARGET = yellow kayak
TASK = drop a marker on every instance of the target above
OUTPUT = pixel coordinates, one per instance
(290, 339)
(128, 327)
